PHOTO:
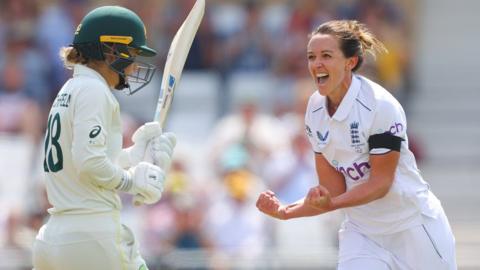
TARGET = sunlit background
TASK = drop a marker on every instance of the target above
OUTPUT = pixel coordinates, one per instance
(238, 114)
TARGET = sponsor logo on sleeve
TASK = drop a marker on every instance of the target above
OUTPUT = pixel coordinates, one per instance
(95, 131)
(396, 128)
(355, 172)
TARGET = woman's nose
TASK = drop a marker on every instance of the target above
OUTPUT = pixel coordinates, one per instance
(318, 62)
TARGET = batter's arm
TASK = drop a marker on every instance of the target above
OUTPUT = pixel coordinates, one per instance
(90, 131)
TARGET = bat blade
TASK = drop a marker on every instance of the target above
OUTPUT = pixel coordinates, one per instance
(177, 55)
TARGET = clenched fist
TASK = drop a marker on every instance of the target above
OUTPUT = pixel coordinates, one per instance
(269, 204)
(319, 197)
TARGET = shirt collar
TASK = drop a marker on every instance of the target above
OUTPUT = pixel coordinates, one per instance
(82, 70)
(347, 102)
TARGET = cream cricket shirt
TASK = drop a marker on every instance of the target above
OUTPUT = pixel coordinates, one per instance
(83, 137)
(368, 109)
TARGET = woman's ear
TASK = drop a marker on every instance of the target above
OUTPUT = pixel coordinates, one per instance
(352, 62)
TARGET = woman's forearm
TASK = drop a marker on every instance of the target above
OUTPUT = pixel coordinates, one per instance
(362, 194)
(299, 209)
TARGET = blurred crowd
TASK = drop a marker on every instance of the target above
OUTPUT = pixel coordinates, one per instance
(249, 148)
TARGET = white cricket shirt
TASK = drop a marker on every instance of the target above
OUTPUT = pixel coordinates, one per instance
(368, 109)
(83, 138)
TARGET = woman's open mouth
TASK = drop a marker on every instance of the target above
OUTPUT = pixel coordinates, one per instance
(322, 78)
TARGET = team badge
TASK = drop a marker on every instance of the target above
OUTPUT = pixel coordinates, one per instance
(354, 133)
(355, 137)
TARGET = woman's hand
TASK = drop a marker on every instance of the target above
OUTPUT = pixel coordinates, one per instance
(269, 204)
(319, 198)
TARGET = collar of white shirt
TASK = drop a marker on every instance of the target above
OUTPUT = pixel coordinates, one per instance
(82, 70)
(348, 100)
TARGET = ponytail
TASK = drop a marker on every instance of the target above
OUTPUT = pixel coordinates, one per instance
(71, 56)
(355, 39)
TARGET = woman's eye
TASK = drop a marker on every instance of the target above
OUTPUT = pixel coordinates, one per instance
(311, 57)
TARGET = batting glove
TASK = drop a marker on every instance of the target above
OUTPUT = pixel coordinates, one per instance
(132, 155)
(144, 181)
(160, 150)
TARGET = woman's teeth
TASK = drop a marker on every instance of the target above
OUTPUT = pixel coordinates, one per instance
(322, 77)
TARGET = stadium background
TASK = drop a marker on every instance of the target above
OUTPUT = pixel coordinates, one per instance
(238, 116)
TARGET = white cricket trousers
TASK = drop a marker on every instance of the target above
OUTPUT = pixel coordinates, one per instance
(80, 242)
(430, 246)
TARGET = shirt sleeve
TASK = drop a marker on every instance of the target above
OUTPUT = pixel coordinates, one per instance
(91, 120)
(390, 121)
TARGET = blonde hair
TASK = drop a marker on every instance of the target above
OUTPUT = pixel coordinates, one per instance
(71, 56)
(354, 37)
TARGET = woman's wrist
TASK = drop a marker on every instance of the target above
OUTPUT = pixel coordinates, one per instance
(334, 205)
(282, 212)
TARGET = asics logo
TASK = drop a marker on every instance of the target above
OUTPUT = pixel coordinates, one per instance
(95, 131)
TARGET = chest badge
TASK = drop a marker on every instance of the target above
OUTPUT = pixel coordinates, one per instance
(355, 137)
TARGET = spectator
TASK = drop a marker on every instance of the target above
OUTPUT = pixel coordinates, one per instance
(63, 16)
(19, 114)
(249, 49)
(291, 173)
(259, 134)
(234, 229)
(19, 46)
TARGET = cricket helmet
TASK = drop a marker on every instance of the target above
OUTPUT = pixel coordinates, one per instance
(117, 31)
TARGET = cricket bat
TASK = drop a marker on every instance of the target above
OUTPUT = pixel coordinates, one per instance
(177, 55)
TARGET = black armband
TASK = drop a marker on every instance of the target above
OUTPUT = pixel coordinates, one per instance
(385, 140)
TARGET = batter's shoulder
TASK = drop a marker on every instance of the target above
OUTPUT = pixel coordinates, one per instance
(92, 88)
